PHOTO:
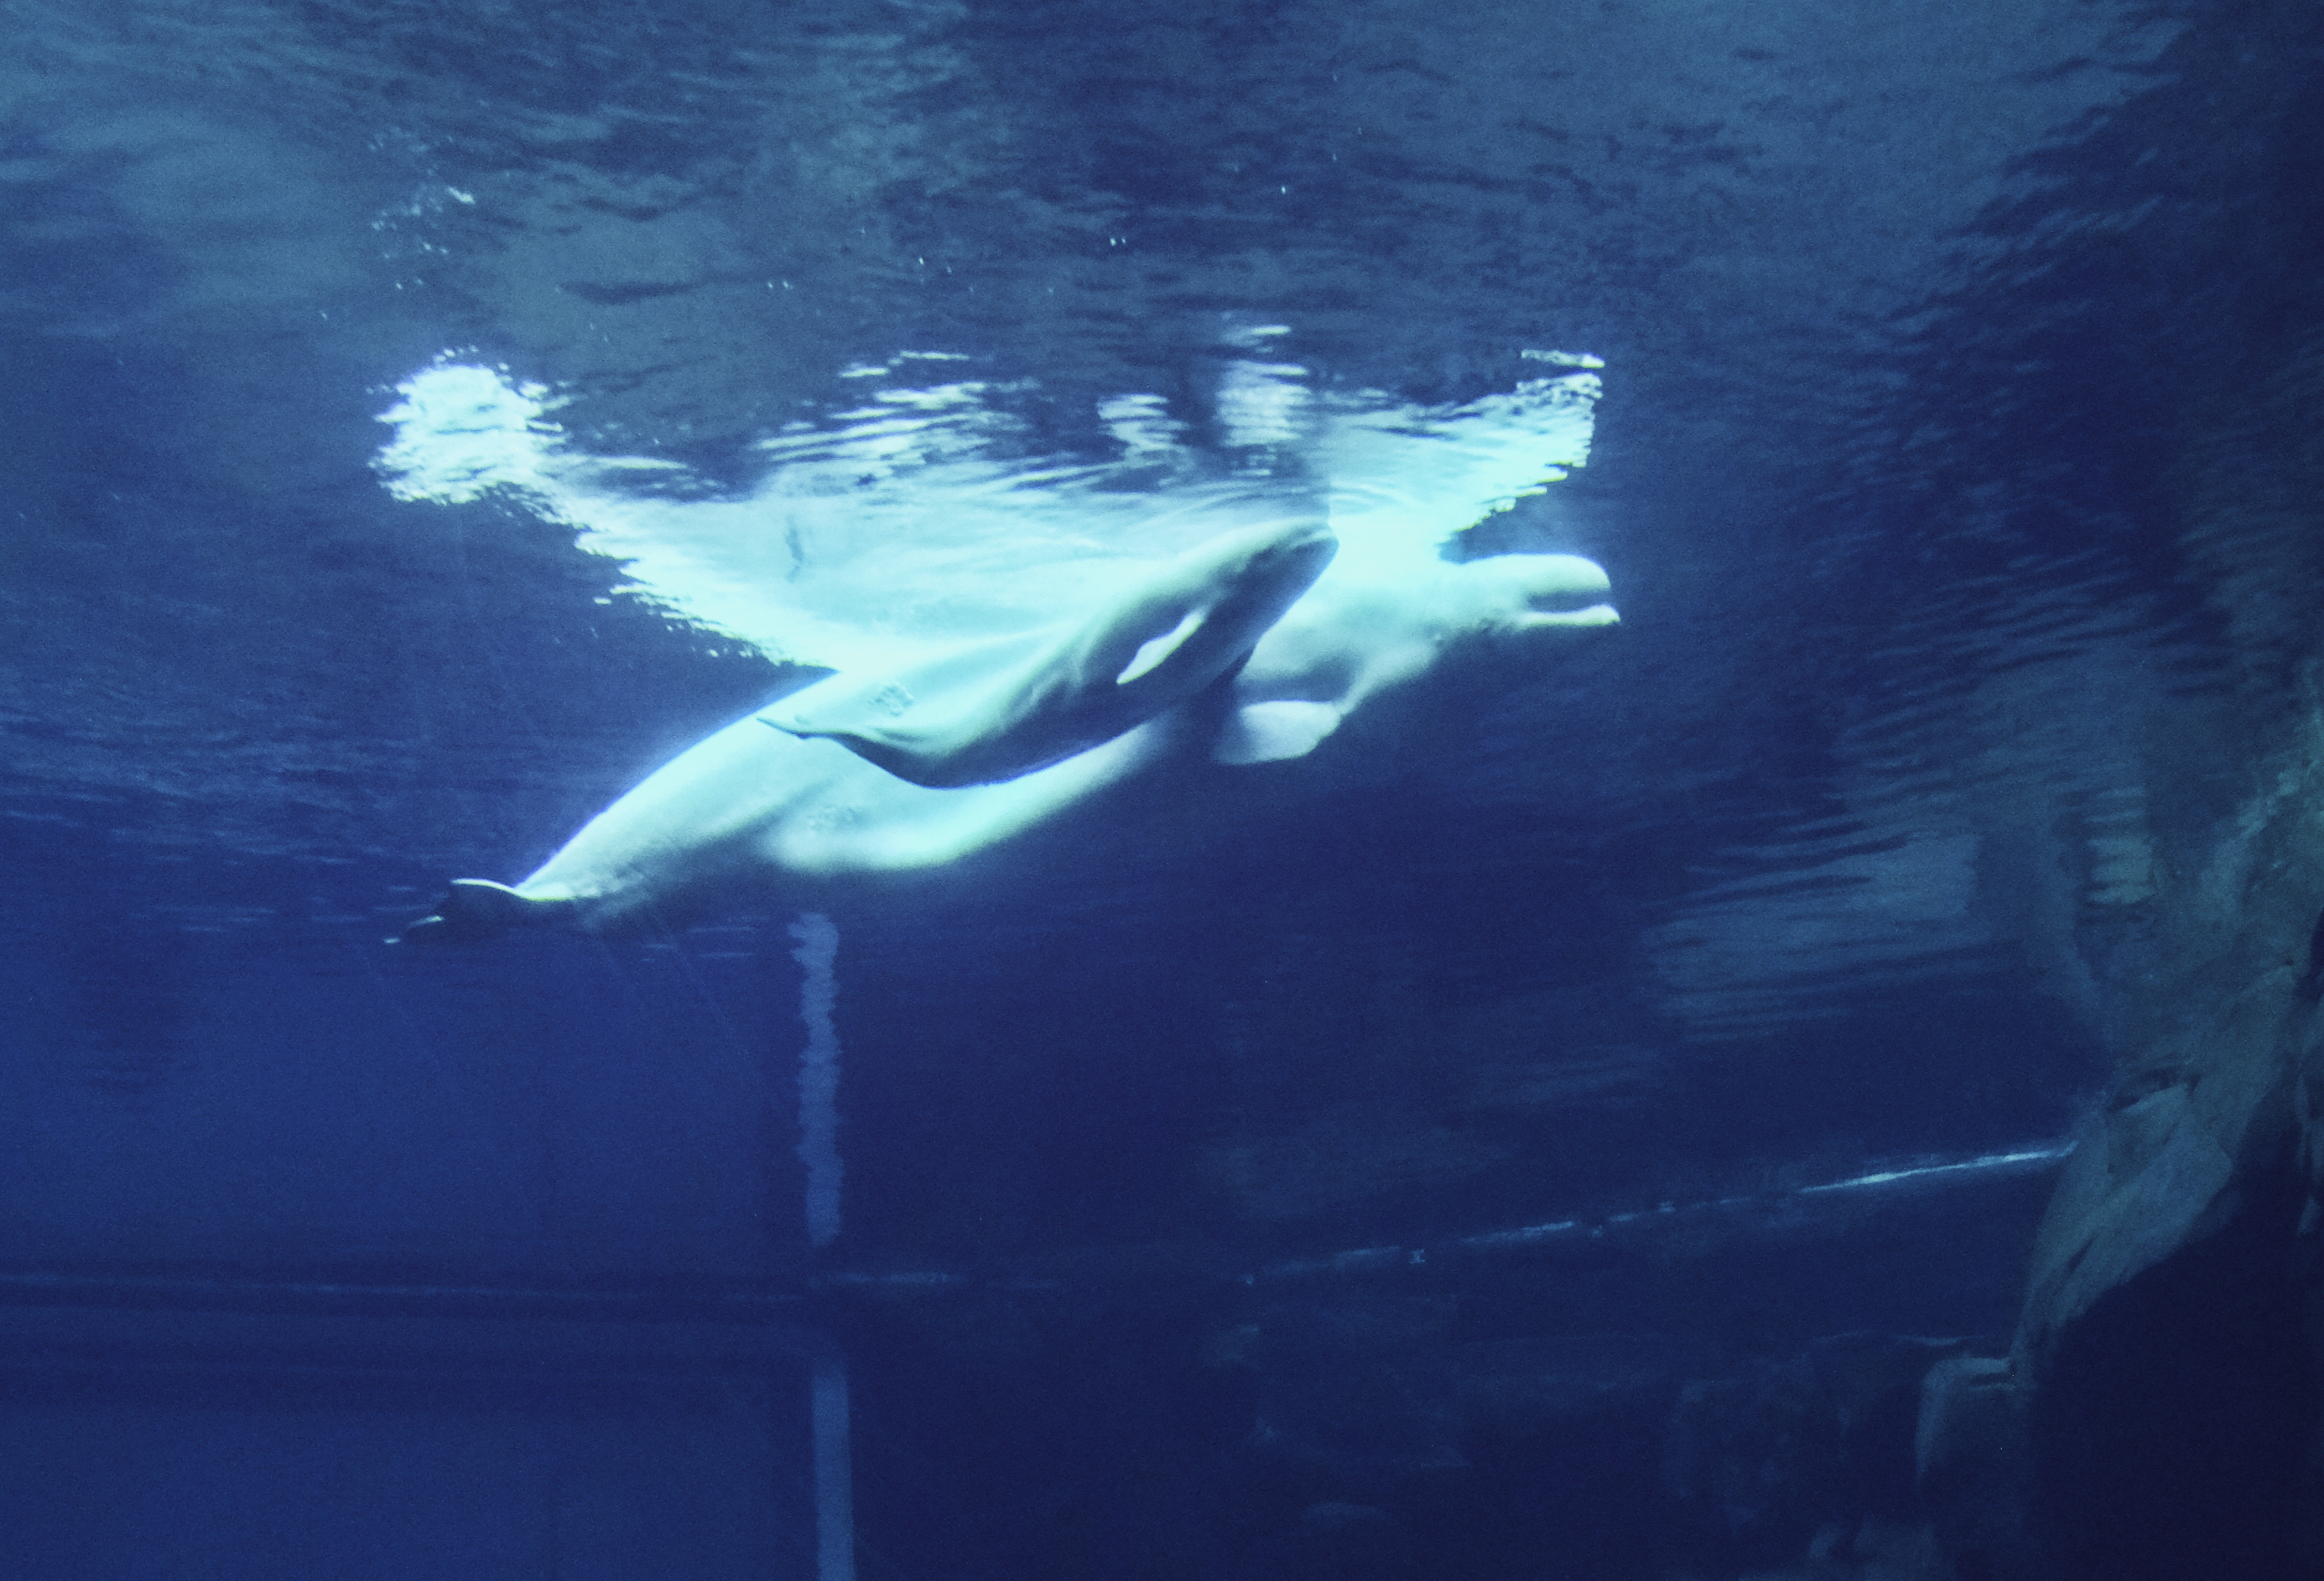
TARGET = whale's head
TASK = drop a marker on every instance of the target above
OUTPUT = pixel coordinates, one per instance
(1241, 584)
(1549, 590)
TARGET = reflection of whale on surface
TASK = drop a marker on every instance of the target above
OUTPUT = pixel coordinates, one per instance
(1228, 642)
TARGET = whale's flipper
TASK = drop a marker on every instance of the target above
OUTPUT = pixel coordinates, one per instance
(996, 710)
(1275, 731)
(478, 908)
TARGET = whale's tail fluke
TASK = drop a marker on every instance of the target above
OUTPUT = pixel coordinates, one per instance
(478, 908)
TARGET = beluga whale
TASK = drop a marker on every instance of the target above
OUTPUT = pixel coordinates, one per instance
(933, 737)
(914, 766)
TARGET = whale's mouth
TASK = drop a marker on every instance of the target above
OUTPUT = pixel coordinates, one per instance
(1597, 614)
(1565, 600)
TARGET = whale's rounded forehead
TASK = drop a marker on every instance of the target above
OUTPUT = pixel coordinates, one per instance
(1304, 534)
(1258, 570)
(1287, 564)
(1307, 544)
(1299, 541)
(1246, 575)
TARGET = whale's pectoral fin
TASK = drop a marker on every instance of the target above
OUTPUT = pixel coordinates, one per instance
(1274, 731)
(478, 908)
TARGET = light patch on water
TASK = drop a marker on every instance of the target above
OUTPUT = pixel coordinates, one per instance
(1142, 423)
(462, 431)
(1262, 404)
(2122, 849)
(1405, 479)
(913, 520)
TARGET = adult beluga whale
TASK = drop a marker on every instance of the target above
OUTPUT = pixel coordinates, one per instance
(753, 808)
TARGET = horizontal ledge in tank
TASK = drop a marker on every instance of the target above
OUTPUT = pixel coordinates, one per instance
(1775, 1212)
(1771, 1210)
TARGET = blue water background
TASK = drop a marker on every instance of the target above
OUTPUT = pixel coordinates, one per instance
(1910, 317)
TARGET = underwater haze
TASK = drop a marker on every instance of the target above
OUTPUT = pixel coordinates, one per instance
(1517, 1060)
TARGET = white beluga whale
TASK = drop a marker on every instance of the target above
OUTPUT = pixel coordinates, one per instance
(755, 808)
(964, 712)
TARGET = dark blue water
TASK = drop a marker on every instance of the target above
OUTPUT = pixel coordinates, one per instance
(1340, 1170)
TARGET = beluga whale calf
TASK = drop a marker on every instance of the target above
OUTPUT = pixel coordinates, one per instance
(994, 711)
